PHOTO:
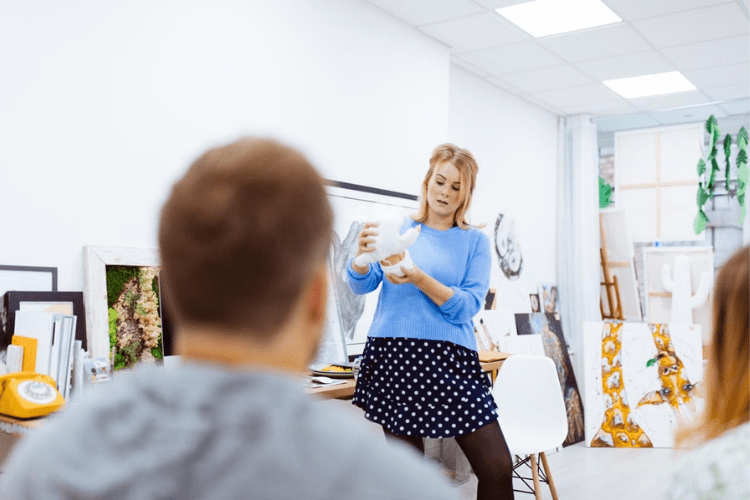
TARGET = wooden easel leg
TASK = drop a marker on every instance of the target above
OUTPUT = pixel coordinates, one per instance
(535, 475)
(552, 488)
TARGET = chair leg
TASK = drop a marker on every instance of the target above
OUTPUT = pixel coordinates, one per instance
(552, 488)
(535, 475)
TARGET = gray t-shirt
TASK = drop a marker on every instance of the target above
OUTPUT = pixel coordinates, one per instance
(204, 432)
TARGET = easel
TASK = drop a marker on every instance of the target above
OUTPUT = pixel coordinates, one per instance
(610, 284)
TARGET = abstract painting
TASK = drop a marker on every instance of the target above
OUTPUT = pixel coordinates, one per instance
(548, 326)
(642, 380)
(353, 205)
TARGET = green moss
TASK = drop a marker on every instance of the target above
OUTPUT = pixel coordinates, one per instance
(117, 277)
(112, 327)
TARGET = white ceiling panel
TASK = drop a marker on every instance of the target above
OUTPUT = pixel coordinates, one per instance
(625, 122)
(626, 65)
(668, 101)
(710, 53)
(576, 96)
(630, 10)
(468, 67)
(596, 43)
(608, 108)
(698, 113)
(553, 77)
(497, 4)
(720, 76)
(726, 93)
(541, 104)
(475, 32)
(732, 92)
(505, 85)
(419, 12)
(693, 26)
(740, 106)
(511, 58)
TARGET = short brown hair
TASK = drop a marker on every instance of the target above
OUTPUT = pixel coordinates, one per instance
(467, 167)
(727, 382)
(241, 234)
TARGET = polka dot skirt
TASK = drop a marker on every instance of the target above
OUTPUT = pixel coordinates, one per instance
(427, 388)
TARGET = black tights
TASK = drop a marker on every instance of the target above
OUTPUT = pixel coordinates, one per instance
(488, 455)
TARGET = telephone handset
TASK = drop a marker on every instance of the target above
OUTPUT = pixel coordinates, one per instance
(28, 395)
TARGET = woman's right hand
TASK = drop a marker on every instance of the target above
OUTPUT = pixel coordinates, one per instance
(365, 244)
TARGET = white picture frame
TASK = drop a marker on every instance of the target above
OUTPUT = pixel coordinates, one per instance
(353, 205)
(95, 262)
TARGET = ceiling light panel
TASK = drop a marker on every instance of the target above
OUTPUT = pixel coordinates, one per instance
(649, 85)
(552, 17)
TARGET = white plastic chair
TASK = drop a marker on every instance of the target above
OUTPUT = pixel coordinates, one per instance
(532, 414)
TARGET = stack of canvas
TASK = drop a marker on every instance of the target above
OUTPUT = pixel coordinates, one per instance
(48, 346)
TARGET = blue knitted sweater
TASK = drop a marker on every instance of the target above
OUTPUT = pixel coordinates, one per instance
(458, 258)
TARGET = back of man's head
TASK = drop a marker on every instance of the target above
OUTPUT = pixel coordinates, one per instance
(241, 234)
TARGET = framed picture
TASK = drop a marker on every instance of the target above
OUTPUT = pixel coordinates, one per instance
(117, 282)
(534, 302)
(67, 303)
(353, 205)
(28, 279)
(549, 300)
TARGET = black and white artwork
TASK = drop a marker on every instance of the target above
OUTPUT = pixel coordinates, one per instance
(507, 247)
(353, 205)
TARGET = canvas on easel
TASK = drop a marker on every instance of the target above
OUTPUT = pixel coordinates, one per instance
(617, 252)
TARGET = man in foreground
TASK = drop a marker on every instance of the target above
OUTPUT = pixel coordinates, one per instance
(243, 240)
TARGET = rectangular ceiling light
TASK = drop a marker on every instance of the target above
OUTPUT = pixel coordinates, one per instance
(552, 17)
(648, 85)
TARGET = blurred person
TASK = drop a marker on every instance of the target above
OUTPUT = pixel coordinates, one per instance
(243, 239)
(420, 375)
(718, 465)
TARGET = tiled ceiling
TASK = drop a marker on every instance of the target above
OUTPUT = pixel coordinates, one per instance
(708, 41)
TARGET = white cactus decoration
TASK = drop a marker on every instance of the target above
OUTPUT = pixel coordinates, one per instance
(678, 283)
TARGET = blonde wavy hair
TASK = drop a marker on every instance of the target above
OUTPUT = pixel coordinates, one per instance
(727, 380)
(467, 167)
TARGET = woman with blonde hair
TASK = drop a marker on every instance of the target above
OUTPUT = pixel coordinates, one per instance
(420, 375)
(719, 465)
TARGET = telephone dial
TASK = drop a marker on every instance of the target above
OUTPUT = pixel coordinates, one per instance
(28, 395)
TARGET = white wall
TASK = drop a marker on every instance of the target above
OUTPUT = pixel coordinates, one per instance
(104, 104)
(515, 144)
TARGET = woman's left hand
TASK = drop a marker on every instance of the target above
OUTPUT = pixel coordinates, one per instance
(411, 275)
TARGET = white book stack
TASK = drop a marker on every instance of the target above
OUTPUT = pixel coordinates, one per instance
(55, 334)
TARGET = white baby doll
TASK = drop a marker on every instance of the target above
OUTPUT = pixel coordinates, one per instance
(389, 242)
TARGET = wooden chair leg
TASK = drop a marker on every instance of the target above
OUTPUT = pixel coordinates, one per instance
(535, 475)
(552, 488)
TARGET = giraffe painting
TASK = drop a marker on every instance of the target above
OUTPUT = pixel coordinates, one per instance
(641, 381)
(618, 428)
(676, 390)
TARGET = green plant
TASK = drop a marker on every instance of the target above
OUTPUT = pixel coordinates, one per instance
(706, 191)
(605, 193)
